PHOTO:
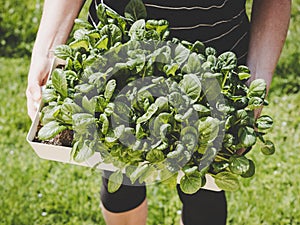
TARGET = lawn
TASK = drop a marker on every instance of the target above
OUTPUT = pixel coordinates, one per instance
(36, 191)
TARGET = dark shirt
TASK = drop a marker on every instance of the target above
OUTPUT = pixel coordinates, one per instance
(222, 24)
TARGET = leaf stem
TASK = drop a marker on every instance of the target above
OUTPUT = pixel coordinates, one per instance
(222, 158)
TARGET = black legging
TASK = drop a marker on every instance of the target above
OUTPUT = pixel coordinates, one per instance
(202, 208)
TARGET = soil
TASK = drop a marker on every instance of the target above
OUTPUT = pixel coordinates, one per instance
(65, 138)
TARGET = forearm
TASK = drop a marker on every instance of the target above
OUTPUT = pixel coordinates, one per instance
(56, 24)
(269, 25)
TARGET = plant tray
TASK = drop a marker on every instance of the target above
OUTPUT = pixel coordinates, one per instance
(63, 154)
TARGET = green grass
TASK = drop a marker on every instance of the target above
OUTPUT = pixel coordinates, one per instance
(272, 196)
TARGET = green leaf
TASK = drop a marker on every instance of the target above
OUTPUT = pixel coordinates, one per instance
(109, 89)
(101, 14)
(137, 29)
(102, 43)
(167, 177)
(82, 152)
(116, 134)
(201, 109)
(243, 69)
(177, 153)
(219, 166)
(268, 148)
(155, 156)
(94, 34)
(122, 112)
(251, 171)
(190, 170)
(160, 26)
(150, 112)
(49, 95)
(82, 122)
(211, 59)
(105, 123)
(208, 129)
(247, 136)
(210, 51)
(83, 23)
(135, 10)
(139, 171)
(211, 88)
(137, 64)
(80, 43)
(191, 183)
(211, 75)
(149, 176)
(244, 76)
(207, 157)
(189, 136)
(176, 100)
(59, 82)
(63, 51)
(255, 102)
(114, 15)
(155, 125)
(50, 130)
(244, 117)
(70, 107)
(89, 105)
(191, 86)
(257, 88)
(227, 61)
(264, 123)
(113, 32)
(49, 113)
(80, 34)
(228, 140)
(227, 181)
(77, 65)
(198, 47)
(239, 164)
(193, 64)
(162, 104)
(115, 181)
(103, 106)
(84, 88)
(119, 130)
(171, 69)
(181, 54)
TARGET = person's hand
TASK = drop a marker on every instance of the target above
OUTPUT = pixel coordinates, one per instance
(37, 77)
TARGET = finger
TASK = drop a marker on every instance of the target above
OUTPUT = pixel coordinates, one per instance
(34, 96)
(31, 109)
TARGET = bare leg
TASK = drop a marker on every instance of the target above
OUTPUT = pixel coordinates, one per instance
(181, 223)
(137, 216)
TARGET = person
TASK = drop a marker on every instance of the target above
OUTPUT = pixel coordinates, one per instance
(222, 24)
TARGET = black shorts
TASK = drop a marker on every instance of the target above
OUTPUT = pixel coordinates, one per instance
(203, 207)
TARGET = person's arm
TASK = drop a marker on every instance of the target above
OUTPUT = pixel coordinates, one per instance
(269, 25)
(55, 26)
